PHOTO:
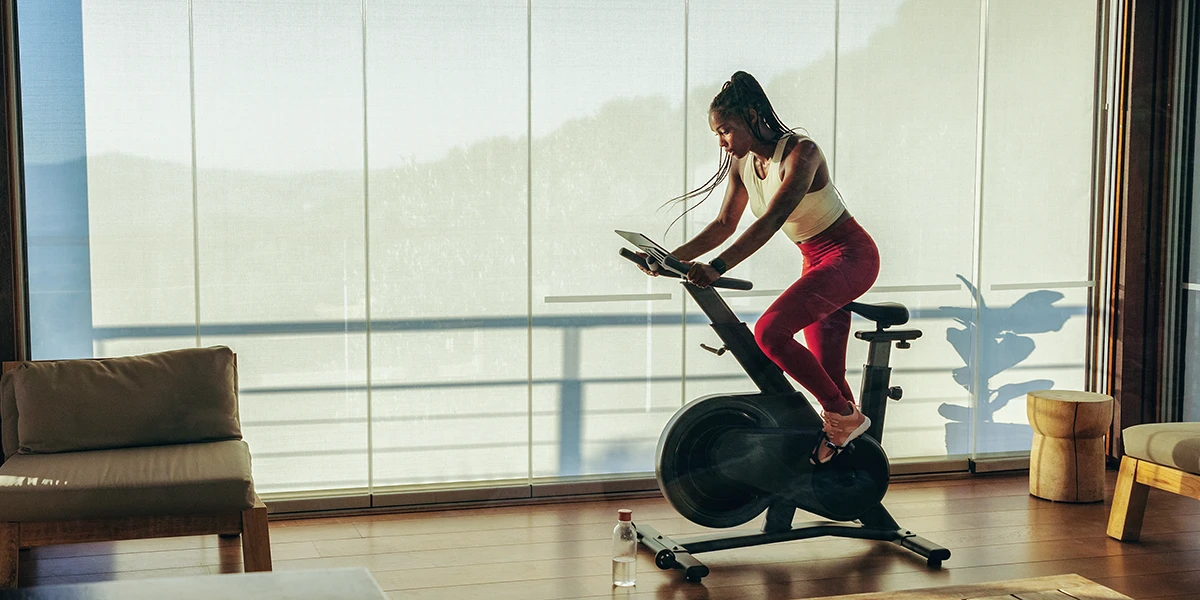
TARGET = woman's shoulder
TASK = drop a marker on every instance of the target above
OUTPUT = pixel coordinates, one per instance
(800, 147)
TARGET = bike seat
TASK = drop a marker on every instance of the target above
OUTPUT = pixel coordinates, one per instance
(885, 314)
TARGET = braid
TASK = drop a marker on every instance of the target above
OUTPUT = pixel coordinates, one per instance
(738, 96)
(724, 163)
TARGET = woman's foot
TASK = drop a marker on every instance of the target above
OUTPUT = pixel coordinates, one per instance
(835, 422)
(824, 452)
(839, 431)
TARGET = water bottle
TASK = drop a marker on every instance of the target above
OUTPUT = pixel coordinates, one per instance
(624, 550)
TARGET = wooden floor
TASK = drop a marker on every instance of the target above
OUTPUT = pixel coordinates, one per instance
(994, 528)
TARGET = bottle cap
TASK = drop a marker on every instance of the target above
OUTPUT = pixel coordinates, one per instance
(624, 515)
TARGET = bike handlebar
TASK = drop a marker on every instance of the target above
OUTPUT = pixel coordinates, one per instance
(722, 282)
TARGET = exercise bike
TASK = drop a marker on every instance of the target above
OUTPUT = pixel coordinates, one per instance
(724, 459)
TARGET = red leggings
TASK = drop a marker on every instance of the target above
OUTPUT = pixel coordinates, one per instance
(839, 266)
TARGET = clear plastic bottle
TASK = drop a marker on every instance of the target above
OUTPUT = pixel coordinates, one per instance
(624, 566)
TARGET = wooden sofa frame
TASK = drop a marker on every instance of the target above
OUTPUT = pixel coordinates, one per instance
(1134, 481)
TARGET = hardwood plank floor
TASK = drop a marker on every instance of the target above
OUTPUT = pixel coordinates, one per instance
(560, 551)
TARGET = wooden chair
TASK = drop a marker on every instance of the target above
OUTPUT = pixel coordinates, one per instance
(1163, 456)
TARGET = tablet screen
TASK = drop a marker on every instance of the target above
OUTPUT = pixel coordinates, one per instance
(647, 245)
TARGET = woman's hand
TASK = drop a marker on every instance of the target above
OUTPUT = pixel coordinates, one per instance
(653, 264)
(702, 274)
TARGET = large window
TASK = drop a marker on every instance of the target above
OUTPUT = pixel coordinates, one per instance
(400, 214)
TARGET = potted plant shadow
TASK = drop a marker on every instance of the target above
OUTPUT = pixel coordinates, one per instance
(1004, 343)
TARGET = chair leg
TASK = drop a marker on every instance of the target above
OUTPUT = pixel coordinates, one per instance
(10, 550)
(1129, 503)
(256, 538)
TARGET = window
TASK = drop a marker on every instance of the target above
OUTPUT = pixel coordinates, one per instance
(400, 214)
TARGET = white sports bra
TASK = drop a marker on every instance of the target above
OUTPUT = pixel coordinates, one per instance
(815, 212)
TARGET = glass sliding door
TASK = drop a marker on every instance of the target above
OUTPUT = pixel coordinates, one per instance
(907, 114)
(139, 194)
(790, 50)
(448, 198)
(606, 113)
(279, 216)
(1037, 208)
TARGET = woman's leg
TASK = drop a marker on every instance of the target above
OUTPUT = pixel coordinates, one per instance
(827, 339)
(808, 301)
(839, 267)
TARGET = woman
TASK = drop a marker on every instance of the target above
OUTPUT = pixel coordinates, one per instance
(785, 180)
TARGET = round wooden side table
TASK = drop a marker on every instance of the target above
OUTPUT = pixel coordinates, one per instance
(1067, 459)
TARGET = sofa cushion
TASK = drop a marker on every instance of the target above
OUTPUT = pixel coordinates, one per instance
(1171, 444)
(173, 397)
(184, 479)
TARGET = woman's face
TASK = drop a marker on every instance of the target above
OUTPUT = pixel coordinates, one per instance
(732, 134)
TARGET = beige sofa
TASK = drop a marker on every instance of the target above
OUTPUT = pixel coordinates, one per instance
(121, 448)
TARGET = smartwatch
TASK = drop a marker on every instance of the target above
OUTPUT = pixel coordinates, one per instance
(719, 265)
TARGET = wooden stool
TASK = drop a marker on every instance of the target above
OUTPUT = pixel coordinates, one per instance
(1067, 460)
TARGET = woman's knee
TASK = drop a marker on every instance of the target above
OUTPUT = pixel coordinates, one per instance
(772, 336)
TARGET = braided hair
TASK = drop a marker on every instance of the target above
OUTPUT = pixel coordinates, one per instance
(738, 96)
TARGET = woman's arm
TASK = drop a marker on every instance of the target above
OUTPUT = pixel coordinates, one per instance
(726, 222)
(799, 168)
